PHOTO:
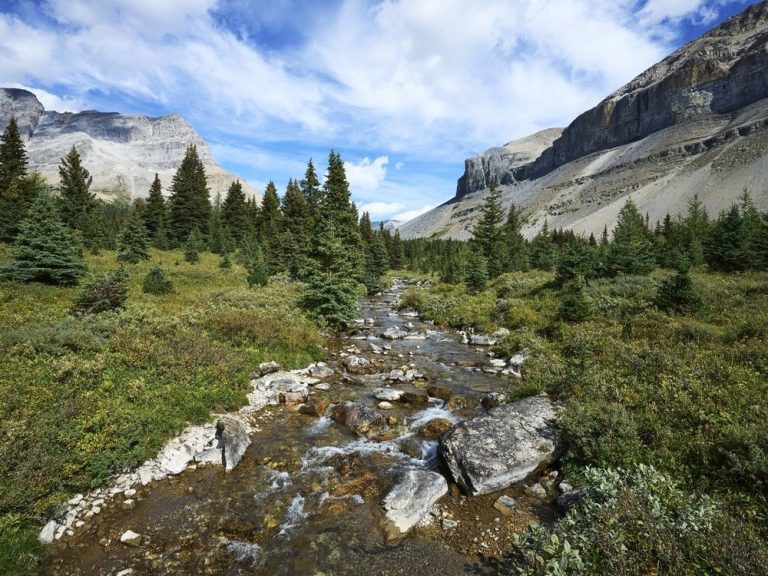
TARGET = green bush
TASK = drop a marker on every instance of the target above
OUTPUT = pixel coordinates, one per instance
(103, 294)
(19, 547)
(677, 294)
(155, 282)
(575, 305)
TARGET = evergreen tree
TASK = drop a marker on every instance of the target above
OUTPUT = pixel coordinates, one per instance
(310, 188)
(575, 305)
(45, 249)
(396, 252)
(258, 275)
(331, 295)
(189, 205)
(338, 209)
(15, 203)
(752, 225)
(578, 260)
(155, 216)
(225, 261)
(156, 282)
(695, 230)
(543, 250)
(132, 244)
(216, 232)
(725, 249)
(489, 234)
(13, 156)
(234, 211)
(516, 248)
(632, 251)
(76, 200)
(677, 294)
(477, 272)
(193, 246)
(270, 230)
(298, 230)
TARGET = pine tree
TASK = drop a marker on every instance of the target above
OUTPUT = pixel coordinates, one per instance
(234, 211)
(15, 203)
(677, 294)
(216, 230)
(270, 229)
(132, 244)
(155, 215)
(489, 233)
(13, 156)
(338, 209)
(258, 275)
(477, 272)
(156, 282)
(310, 188)
(632, 251)
(189, 205)
(752, 225)
(543, 251)
(45, 249)
(193, 246)
(516, 249)
(575, 305)
(298, 230)
(695, 230)
(76, 200)
(726, 246)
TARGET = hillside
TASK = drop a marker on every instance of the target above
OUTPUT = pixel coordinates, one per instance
(697, 122)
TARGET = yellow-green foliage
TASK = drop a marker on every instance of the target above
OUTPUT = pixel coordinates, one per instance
(84, 397)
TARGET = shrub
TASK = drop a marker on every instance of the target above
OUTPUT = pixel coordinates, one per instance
(677, 294)
(155, 282)
(102, 294)
(575, 305)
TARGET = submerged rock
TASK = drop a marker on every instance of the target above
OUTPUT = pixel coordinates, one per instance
(435, 427)
(361, 420)
(394, 333)
(411, 498)
(235, 439)
(387, 394)
(505, 446)
(314, 406)
(356, 364)
(131, 538)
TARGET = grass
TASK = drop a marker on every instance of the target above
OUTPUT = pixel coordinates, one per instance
(684, 394)
(82, 398)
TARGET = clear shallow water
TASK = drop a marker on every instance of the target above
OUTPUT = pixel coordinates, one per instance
(306, 497)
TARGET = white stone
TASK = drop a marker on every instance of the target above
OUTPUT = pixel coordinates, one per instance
(48, 533)
(131, 538)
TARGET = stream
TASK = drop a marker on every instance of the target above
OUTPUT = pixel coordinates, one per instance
(307, 496)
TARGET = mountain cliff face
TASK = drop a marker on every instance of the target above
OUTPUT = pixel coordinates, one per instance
(697, 122)
(122, 153)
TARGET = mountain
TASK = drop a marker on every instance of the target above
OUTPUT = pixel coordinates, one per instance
(696, 122)
(122, 153)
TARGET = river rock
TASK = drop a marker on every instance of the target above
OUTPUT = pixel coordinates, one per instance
(495, 450)
(233, 435)
(435, 427)
(568, 500)
(415, 397)
(374, 348)
(357, 364)
(384, 405)
(493, 400)
(315, 406)
(320, 370)
(360, 419)
(411, 498)
(131, 538)
(506, 505)
(440, 392)
(387, 394)
(48, 533)
(394, 333)
(482, 340)
(268, 368)
(174, 458)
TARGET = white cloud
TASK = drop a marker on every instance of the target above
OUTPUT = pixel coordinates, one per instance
(51, 101)
(366, 176)
(379, 209)
(411, 214)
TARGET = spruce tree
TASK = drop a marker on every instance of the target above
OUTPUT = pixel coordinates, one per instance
(258, 275)
(695, 230)
(310, 188)
(575, 305)
(342, 213)
(45, 249)
(542, 250)
(270, 229)
(632, 251)
(189, 205)
(155, 215)
(193, 246)
(489, 233)
(76, 200)
(156, 282)
(15, 203)
(726, 245)
(132, 243)
(516, 249)
(13, 156)
(677, 293)
(298, 230)
(216, 229)
(234, 211)
(477, 272)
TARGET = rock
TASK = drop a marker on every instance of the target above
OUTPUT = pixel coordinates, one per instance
(537, 491)
(356, 364)
(129, 493)
(145, 475)
(75, 500)
(314, 406)
(435, 427)
(233, 436)
(210, 456)
(370, 321)
(493, 399)
(320, 370)
(498, 362)
(501, 333)
(394, 333)
(128, 504)
(48, 533)
(384, 405)
(375, 349)
(268, 368)
(396, 376)
(291, 398)
(495, 450)
(568, 500)
(449, 524)
(323, 386)
(564, 487)
(360, 419)
(506, 505)
(174, 458)
(483, 340)
(131, 538)
(411, 499)
(413, 375)
(388, 394)
(440, 392)
(417, 397)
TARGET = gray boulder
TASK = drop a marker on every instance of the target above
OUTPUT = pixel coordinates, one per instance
(394, 333)
(361, 420)
(357, 364)
(268, 368)
(498, 449)
(233, 436)
(388, 394)
(411, 498)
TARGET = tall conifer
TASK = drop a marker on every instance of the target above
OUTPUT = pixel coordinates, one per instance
(189, 205)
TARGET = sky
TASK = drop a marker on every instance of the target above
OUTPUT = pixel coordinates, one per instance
(404, 90)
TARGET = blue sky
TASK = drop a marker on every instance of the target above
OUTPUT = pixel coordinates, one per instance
(404, 90)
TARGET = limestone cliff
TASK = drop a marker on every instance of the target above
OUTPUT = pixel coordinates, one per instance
(697, 122)
(122, 153)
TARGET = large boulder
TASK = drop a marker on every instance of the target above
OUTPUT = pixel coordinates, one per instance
(411, 498)
(495, 450)
(356, 364)
(362, 420)
(235, 439)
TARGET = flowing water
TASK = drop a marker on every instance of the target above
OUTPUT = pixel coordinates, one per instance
(306, 498)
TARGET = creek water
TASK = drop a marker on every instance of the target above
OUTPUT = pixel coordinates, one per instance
(306, 498)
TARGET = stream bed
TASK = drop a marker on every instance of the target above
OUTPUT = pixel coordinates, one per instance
(307, 496)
